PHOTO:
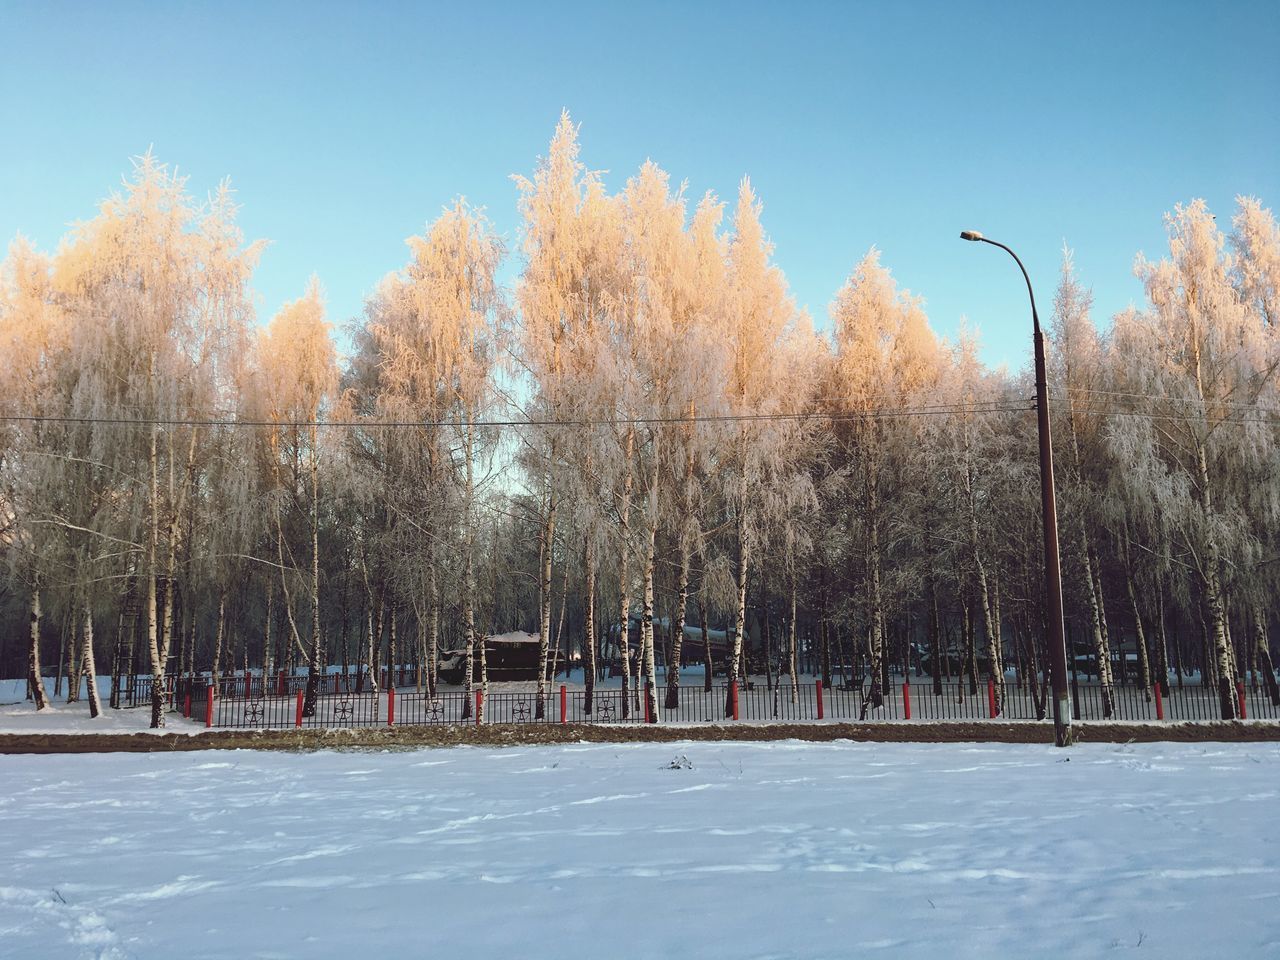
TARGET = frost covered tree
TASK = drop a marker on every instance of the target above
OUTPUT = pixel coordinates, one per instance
(885, 358)
(1210, 355)
(757, 316)
(33, 335)
(437, 339)
(299, 371)
(692, 449)
(1076, 365)
(156, 285)
(564, 291)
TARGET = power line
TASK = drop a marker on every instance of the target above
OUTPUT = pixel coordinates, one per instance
(1165, 398)
(841, 416)
(1234, 415)
(981, 408)
(1172, 417)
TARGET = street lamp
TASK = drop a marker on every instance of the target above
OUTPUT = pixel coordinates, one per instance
(1049, 511)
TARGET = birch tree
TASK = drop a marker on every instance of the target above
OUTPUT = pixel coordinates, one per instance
(439, 363)
(884, 357)
(558, 300)
(32, 337)
(162, 281)
(758, 313)
(1214, 356)
(1076, 364)
(300, 373)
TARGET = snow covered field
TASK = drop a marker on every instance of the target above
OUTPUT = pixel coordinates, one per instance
(599, 851)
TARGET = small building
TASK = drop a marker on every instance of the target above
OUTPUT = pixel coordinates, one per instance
(508, 656)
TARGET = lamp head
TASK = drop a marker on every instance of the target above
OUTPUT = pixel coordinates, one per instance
(970, 235)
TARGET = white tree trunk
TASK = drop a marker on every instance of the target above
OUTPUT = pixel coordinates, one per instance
(1101, 637)
(314, 654)
(875, 643)
(544, 619)
(371, 649)
(624, 577)
(794, 665)
(218, 638)
(647, 632)
(153, 631)
(468, 563)
(677, 634)
(740, 613)
(267, 664)
(433, 636)
(1140, 634)
(88, 667)
(650, 563)
(589, 630)
(70, 646)
(990, 626)
(1213, 596)
(35, 682)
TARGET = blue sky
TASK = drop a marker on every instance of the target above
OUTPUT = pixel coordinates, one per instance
(346, 127)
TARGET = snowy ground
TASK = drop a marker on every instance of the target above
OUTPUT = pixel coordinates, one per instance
(19, 715)
(733, 850)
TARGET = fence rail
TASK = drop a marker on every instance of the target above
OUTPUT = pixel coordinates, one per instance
(341, 701)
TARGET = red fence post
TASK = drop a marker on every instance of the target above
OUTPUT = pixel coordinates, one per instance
(564, 703)
(991, 697)
(391, 706)
(186, 704)
(479, 703)
(1240, 698)
(733, 697)
(819, 686)
(1159, 703)
(297, 716)
(906, 700)
(208, 705)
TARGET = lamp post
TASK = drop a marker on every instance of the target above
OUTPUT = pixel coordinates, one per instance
(1049, 511)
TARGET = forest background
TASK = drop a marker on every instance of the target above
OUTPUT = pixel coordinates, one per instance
(614, 402)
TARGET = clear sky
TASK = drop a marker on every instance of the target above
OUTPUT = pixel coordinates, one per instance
(345, 127)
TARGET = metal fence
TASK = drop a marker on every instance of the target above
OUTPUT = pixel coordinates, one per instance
(136, 691)
(244, 703)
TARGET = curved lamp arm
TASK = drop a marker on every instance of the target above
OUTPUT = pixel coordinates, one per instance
(979, 238)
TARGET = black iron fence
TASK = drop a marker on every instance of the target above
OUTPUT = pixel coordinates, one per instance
(248, 703)
(137, 691)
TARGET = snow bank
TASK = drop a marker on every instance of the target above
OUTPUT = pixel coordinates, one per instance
(709, 850)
